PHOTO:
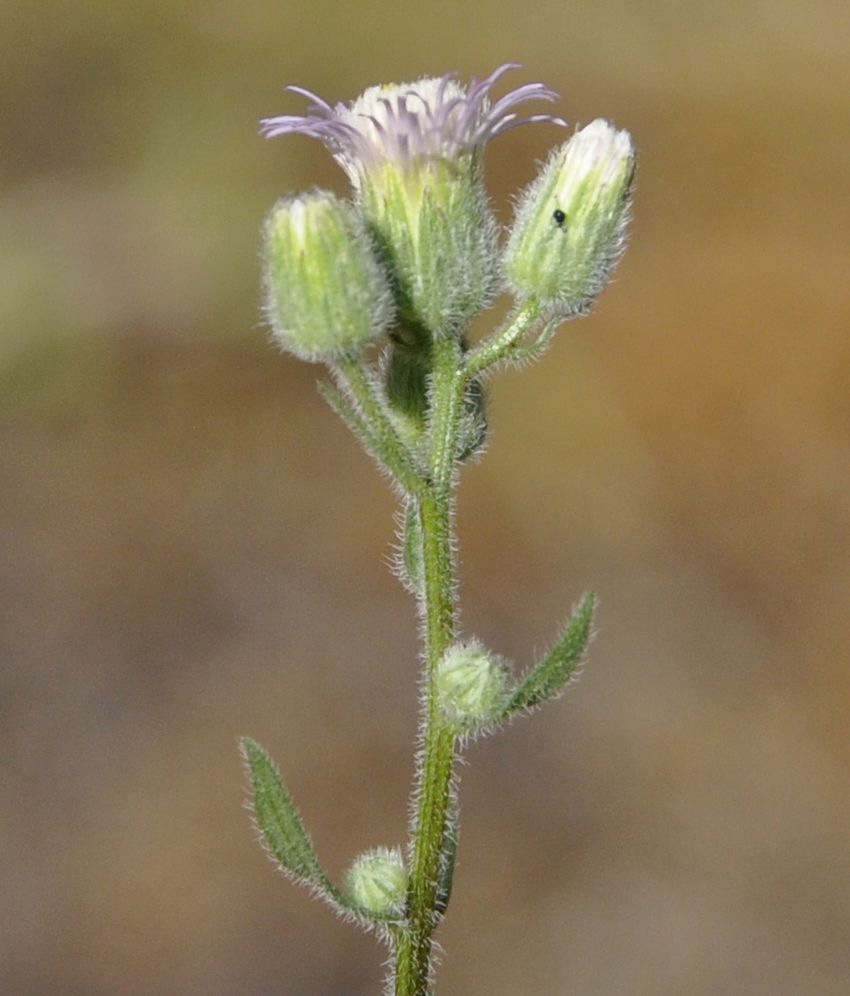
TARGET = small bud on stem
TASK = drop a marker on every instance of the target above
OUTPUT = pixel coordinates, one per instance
(471, 686)
(377, 881)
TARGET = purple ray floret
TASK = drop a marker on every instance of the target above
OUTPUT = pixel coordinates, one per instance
(433, 117)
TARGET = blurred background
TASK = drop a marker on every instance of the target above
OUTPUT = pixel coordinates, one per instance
(193, 548)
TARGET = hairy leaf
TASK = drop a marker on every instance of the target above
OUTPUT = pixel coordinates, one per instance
(278, 821)
(548, 677)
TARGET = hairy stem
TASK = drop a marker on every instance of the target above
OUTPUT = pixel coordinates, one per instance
(501, 343)
(433, 791)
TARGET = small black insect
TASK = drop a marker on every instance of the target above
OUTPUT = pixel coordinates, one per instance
(559, 217)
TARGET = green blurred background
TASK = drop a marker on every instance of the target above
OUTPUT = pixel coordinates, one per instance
(193, 548)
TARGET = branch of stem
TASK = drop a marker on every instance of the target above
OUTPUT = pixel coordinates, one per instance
(500, 344)
(359, 382)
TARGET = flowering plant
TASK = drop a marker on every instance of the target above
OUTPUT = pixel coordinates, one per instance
(382, 289)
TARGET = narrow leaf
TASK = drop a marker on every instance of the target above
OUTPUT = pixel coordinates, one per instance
(548, 677)
(371, 421)
(534, 350)
(277, 819)
(447, 861)
(357, 425)
(410, 562)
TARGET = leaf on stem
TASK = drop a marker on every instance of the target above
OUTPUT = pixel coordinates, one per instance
(447, 861)
(279, 824)
(534, 350)
(549, 676)
(357, 425)
(410, 568)
(362, 406)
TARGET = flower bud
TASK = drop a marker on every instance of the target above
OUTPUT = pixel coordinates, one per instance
(377, 881)
(570, 222)
(472, 686)
(326, 293)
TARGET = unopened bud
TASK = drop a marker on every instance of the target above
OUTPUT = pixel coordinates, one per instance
(377, 881)
(570, 222)
(327, 295)
(471, 686)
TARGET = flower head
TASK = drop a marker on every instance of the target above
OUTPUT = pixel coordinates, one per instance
(434, 117)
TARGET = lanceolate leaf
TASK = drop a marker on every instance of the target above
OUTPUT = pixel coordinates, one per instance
(447, 863)
(413, 575)
(548, 677)
(280, 826)
(358, 426)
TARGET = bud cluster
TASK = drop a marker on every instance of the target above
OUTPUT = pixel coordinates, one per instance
(414, 255)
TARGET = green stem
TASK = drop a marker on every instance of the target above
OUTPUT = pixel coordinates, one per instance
(501, 343)
(359, 382)
(447, 391)
(433, 791)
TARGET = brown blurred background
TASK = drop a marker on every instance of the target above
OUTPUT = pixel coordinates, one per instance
(194, 549)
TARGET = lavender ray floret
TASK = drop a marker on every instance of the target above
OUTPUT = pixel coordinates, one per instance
(531, 91)
(433, 117)
(511, 121)
(314, 97)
